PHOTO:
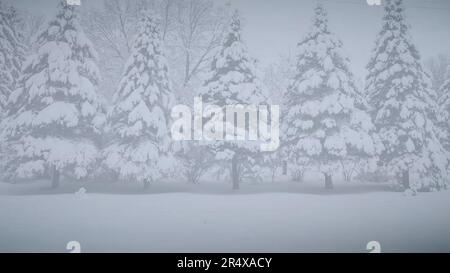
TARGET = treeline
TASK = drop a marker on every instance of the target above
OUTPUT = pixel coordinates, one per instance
(57, 123)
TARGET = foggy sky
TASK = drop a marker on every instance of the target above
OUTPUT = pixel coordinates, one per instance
(273, 27)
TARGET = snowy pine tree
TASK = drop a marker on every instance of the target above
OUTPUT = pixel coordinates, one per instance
(56, 112)
(324, 119)
(444, 104)
(403, 105)
(11, 53)
(11, 58)
(233, 80)
(141, 145)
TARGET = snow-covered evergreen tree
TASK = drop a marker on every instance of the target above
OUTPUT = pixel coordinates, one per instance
(141, 146)
(11, 53)
(56, 113)
(11, 58)
(403, 106)
(444, 104)
(233, 80)
(325, 120)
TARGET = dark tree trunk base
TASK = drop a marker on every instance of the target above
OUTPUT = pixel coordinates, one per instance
(146, 184)
(405, 179)
(328, 182)
(55, 178)
(234, 172)
(284, 167)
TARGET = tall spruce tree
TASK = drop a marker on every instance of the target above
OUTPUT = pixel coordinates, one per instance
(403, 106)
(56, 113)
(444, 104)
(11, 58)
(11, 53)
(141, 146)
(325, 120)
(233, 80)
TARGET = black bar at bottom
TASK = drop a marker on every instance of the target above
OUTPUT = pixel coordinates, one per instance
(226, 262)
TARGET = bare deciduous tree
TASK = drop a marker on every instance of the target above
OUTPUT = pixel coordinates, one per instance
(437, 67)
(200, 27)
(30, 25)
(191, 30)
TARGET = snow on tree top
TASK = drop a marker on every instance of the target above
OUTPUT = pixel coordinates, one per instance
(233, 78)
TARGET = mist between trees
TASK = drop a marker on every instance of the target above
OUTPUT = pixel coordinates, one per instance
(89, 95)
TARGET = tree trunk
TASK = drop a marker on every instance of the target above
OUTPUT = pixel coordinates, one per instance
(297, 176)
(347, 177)
(146, 184)
(328, 182)
(405, 179)
(187, 69)
(234, 172)
(284, 167)
(55, 177)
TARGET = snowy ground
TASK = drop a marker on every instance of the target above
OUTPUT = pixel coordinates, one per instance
(177, 217)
